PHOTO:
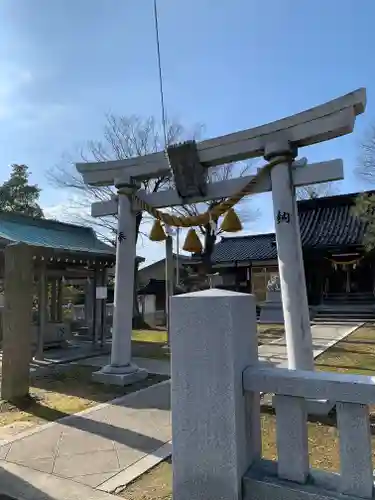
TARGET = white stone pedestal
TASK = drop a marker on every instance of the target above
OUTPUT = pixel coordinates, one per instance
(215, 425)
(272, 310)
(120, 375)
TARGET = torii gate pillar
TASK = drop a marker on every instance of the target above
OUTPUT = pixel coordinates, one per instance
(290, 260)
(121, 371)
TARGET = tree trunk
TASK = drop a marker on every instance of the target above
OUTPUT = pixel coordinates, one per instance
(209, 244)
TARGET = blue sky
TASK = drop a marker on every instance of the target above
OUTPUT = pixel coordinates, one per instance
(227, 64)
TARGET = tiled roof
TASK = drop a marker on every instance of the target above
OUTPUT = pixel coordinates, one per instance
(245, 248)
(183, 259)
(325, 223)
(329, 222)
(51, 234)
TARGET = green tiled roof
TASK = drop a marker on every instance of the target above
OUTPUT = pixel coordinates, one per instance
(51, 234)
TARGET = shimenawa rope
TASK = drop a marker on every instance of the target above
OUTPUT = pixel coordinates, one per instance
(215, 212)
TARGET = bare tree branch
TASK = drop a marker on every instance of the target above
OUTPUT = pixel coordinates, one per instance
(123, 137)
(317, 191)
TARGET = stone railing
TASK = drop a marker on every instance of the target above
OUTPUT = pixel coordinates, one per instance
(293, 390)
(216, 384)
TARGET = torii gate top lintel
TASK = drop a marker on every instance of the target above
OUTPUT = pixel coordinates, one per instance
(321, 123)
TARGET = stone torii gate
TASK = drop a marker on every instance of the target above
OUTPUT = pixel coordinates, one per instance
(278, 143)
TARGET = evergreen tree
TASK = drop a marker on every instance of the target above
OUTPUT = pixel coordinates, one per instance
(18, 196)
(364, 209)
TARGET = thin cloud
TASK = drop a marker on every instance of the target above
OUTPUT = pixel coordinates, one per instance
(14, 83)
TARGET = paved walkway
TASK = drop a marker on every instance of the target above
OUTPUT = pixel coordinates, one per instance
(323, 335)
(93, 452)
(93, 446)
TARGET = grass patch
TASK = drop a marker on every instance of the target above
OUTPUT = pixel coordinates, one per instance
(269, 333)
(156, 484)
(151, 343)
(55, 395)
(354, 354)
(323, 443)
(157, 336)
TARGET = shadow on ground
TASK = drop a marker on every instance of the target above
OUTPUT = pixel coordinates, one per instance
(152, 350)
(159, 398)
(77, 381)
(12, 487)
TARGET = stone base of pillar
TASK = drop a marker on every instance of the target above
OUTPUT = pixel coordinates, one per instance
(120, 375)
(272, 309)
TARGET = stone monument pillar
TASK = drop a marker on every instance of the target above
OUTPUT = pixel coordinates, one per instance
(272, 310)
(17, 321)
(215, 425)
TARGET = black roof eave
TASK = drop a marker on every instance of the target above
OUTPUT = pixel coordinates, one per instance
(333, 248)
(244, 261)
(306, 250)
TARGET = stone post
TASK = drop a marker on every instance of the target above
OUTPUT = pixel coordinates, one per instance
(53, 306)
(215, 425)
(100, 308)
(290, 260)
(121, 370)
(89, 304)
(17, 321)
(42, 311)
(59, 300)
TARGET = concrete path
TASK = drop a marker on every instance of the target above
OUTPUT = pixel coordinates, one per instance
(91, 447)
(98, 450)
(323, 335)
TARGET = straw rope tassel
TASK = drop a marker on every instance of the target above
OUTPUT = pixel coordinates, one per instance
(192, 242)
(157, 232)
(231, 222)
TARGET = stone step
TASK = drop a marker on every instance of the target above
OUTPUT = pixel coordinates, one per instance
(346, 310)
(335, 312)
(343, 307)
(351, 294)
(342, 320)
(350, 303)
(349, 320)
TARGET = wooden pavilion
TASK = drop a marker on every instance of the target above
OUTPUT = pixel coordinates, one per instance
(64, 253)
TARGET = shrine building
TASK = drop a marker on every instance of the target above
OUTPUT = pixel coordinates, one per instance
(337, 268)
